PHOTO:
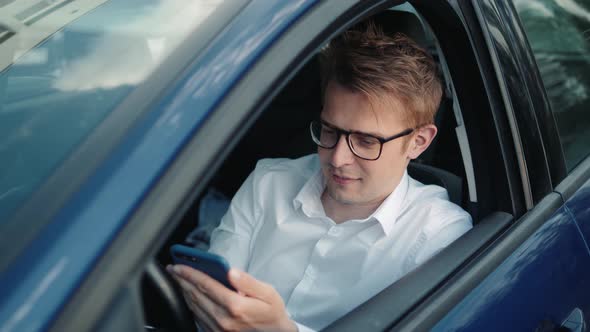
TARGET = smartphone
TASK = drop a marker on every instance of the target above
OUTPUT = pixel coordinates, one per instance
(211, 264)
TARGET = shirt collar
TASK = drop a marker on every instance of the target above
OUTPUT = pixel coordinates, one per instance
(309, 200)
(388, 212)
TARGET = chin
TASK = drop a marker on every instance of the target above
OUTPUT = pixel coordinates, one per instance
(341, 197)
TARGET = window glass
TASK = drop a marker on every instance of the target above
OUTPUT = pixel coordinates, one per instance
(558, 32)
(64, 66)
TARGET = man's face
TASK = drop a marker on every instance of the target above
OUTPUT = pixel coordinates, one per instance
(350, 179)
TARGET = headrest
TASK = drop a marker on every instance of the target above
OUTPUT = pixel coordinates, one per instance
(392, 21)
(432, 175)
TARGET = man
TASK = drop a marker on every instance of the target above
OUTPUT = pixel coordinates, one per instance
(319, 235)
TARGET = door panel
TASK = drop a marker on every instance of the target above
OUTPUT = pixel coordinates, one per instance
(546, 278)
(579, 206)
(123, 314)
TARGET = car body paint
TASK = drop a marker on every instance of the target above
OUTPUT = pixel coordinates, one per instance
(50, 269)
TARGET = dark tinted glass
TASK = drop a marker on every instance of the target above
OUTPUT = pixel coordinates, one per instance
(558, 32)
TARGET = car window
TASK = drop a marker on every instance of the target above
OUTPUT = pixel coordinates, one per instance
(284, 120)
(64, 67)
(558, 33)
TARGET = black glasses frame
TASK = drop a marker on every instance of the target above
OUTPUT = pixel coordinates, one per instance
(347, 133)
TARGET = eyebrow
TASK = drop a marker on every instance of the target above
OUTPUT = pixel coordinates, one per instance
(352, 131)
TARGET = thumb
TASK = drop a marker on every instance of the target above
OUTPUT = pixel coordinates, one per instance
(249, 286)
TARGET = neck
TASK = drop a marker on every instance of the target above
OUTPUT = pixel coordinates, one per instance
(340, 212)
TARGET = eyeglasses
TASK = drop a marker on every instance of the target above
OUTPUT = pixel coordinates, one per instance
(364, 146)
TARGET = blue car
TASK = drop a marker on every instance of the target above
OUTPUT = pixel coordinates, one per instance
(117, 118)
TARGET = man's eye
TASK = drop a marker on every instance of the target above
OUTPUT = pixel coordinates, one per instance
(367, 141)
(327, 131)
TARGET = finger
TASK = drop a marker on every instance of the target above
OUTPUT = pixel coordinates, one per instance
(184, 284)
(206, 311)
(200, 304)
(193, 276)
(203, 301)
(251, 287)
(205, 322)
(207, 285)
(189, 294)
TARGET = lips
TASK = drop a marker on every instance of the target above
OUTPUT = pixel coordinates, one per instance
(342, 180)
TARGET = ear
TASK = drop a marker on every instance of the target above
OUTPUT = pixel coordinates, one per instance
(421, 140)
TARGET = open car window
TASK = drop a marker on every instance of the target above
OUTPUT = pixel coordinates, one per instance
(286, 119)
(284, 82)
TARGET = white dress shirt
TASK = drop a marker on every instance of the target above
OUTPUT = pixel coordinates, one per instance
(276, 230)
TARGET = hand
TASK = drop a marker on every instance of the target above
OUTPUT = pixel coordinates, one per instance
(256, 305)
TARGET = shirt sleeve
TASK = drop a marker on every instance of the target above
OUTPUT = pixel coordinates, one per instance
(232, 238)
(303, 328)
(448, 234)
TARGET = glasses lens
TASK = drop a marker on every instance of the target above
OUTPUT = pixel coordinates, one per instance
(364, 146)
(323, 136)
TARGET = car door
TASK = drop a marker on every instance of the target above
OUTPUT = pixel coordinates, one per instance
(562, 53)
(533, 272)
(112, 289)
(65, 110)
(234, 78)
(542, 283)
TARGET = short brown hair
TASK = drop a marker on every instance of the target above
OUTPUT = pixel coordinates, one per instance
(364, 59)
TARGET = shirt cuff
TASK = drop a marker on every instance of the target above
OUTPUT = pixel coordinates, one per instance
(303, 328)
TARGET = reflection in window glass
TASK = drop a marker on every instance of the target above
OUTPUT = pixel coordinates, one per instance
(558, 32)
(65, 65)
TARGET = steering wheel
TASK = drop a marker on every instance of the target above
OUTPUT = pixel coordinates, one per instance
(180, 317)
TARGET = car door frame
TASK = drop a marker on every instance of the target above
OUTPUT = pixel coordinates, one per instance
(116, 278)
(181, 183)
(118, 273)
(421, 298)
(536, 141)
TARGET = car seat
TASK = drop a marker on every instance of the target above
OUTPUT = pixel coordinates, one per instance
(283, 128)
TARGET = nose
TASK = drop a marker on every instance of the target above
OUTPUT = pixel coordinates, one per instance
(341, 153)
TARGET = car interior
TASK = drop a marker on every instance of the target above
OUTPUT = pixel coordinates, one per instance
(447, 162)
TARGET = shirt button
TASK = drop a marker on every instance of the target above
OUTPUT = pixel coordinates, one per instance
(334, 231)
